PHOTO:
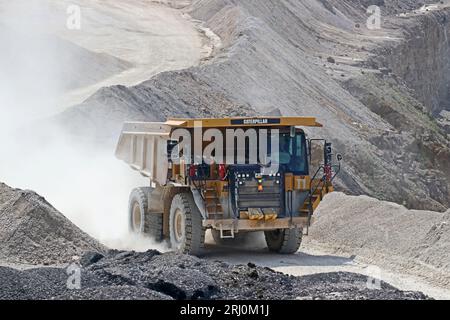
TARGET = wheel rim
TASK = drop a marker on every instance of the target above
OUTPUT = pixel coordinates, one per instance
(136, 217)
(179, 226)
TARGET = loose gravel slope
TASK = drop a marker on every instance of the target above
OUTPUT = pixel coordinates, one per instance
(33, 232)
(386, 234)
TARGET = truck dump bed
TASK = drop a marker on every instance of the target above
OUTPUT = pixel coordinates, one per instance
(143, 146)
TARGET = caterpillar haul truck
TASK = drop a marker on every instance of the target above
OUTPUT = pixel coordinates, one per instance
(232, 176)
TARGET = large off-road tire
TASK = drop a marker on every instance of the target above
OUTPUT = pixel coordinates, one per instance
(140, 220)
(228, 241)
(187, 234)
(154, 226)
(284, 241)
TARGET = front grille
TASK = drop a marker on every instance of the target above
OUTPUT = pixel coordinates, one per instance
(248, 196)
(245, 194)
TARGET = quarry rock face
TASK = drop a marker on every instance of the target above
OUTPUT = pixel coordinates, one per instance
(33, 232)
(425, 55)
(376, 91)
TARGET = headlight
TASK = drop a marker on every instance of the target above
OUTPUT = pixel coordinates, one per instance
(248, 175)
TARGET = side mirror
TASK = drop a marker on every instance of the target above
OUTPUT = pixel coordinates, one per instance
(328, 153)
(339, 157)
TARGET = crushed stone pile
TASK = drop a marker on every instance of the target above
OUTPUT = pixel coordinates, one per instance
(152, 275)
(33, 232)
(386, 233)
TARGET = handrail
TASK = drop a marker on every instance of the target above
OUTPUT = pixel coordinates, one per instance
(336, 172)
(311, 192)
(322, 182)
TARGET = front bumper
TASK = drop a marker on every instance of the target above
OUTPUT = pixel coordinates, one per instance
(257, 225)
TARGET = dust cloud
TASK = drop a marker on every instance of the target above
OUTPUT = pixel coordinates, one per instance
(82, 180)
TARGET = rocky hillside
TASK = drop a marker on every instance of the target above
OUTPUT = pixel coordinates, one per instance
(378, 92)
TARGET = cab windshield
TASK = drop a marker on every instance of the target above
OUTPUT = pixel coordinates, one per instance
(292, 153)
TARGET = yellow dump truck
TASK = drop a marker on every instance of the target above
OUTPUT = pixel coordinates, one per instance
(232, 175)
